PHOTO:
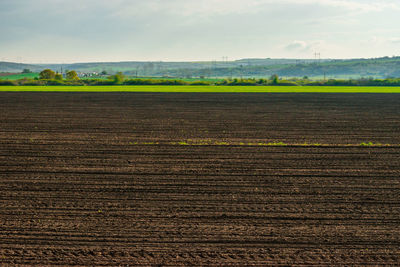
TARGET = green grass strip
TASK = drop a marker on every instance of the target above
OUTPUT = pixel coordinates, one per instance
(209, 142)
(19, 76)
(203, 89)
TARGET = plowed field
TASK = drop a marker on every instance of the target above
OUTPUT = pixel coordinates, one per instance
(109, 179)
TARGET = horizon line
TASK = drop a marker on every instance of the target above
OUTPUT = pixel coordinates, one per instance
(192, 61)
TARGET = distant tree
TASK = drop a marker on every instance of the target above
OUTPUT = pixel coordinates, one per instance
(118, 78)
(26, 71)
(58, 77)
(72, 75)
(47, 74)
(262, 81)
(275, 79)
(103, 72)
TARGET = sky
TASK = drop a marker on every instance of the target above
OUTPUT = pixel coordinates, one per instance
(60, 31)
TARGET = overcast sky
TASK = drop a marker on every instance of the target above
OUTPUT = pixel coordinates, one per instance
(42, 31)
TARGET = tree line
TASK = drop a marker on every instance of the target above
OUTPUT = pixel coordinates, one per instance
(49, 77)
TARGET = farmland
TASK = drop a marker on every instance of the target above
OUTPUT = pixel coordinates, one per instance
(16, 76)
(150, 178)
(203, 89)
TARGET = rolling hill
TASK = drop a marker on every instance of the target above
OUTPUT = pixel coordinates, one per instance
(330, 68)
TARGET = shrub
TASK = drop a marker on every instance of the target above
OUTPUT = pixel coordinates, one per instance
(72, 75)
(287, 83)
(154, 82)
(54, 82)
(200, 83)
(117, 78)
(275, 79)
(58, 77)
(7, 82)
(98, 82)
(26, 71)
(31, 82)
(47, 74)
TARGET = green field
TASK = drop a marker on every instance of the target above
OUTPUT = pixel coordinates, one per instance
(178, 78)
(20, 76)
(203, 89)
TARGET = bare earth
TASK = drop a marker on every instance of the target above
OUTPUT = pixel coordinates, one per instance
(75, 189)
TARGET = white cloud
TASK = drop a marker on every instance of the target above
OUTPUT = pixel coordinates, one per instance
(306, 47)
(298, 46)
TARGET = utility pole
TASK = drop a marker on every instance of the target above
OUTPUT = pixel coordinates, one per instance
(225, 59)
(214, 68)
(211, 69)
(317, 57)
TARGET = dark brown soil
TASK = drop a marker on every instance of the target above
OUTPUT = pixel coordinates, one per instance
(76, 190)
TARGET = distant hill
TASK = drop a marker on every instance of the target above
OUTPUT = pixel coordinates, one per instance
(16, 67)
(330, 68)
